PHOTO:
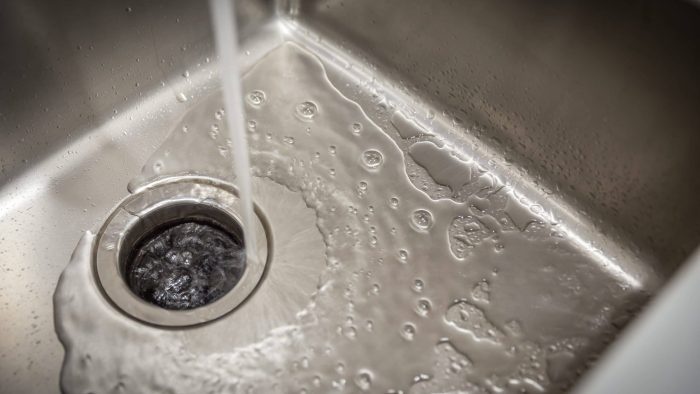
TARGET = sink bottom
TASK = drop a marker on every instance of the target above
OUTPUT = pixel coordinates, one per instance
(435, 253)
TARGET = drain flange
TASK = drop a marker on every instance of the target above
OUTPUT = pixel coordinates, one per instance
(172, 254)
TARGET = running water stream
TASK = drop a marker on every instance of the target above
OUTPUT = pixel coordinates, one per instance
(226, 37)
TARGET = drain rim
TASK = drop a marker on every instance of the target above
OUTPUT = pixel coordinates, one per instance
(132, 215)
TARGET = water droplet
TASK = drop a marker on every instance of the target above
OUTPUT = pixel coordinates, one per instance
(403, 255)
(186, 74)
(356, 128)
(514, 328)
(219, 114)
(252, 125)
(375, 288)
(418, 285)
(481, 291)
(289, 140)
(332, 149)
(214, 132)
(350, 332)
(185, 129)
(422, 219)
(423, 307)
(181, 97)
(372, 158)
(408, 331)
(363, 185)
(332, 171)
(256, 98)
(307, 110)
(157, 167)
(394, 202)
(363, 380)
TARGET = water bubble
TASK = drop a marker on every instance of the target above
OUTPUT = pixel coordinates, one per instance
(219, 114)
(356, 128)
(332, 149)
(256, 98)
(289, 140)
(363, 185)
(185, 129)
(422, 219)
(181, 97)
(332, 171)
(306, 110)
(186, 74)
(372, 158)
(423, 307)
(394, 202)
(363, 380)
(408, 331)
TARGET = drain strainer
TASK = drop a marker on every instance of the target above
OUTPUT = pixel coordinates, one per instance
(173, 253)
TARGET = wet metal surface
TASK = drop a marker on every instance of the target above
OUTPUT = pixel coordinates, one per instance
(591, 129)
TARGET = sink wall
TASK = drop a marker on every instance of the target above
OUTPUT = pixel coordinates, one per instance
(597, 98)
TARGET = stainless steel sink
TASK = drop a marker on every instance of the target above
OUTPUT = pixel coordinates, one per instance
(580, 115)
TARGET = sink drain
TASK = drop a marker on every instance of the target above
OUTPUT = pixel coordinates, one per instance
(173, 254)
(186, 263)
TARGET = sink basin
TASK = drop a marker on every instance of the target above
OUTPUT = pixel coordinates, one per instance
(550, 150)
